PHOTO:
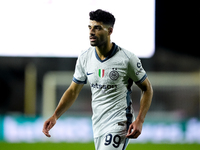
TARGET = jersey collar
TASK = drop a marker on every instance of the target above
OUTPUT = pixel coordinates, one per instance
(111, 53)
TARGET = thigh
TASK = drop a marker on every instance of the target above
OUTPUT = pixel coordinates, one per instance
(111, 141)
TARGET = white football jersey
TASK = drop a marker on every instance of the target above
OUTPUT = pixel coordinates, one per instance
(110, 81)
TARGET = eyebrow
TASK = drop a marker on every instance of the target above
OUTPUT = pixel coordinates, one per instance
(95, 26)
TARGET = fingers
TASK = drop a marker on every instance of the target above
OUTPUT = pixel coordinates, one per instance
(46, 133)
(130, 129)
(45, 130)
(47, 126)
(133, 132)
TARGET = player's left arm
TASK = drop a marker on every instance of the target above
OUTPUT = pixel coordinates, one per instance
(135, 128)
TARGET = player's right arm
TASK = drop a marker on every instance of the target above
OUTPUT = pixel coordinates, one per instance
(66, 101)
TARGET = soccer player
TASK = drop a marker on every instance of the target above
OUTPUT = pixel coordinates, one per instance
(111, 71)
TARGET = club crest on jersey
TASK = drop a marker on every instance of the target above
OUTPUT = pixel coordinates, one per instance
(101, 73)
(114, 75)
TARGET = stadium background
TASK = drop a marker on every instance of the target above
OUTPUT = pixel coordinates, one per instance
(173, 118)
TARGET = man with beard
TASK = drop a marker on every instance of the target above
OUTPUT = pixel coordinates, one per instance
(111, 71)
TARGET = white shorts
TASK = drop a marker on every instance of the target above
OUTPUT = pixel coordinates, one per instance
(111, 141)
(115, 139)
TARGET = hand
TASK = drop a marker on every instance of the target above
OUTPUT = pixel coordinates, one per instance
(48, 125)
(134, 130)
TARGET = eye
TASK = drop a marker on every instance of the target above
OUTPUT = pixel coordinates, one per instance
(98, 27)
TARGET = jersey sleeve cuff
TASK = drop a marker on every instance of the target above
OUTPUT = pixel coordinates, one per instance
(78, 81)
(141, 80)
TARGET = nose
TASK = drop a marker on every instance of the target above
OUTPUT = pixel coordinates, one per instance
(92, 32)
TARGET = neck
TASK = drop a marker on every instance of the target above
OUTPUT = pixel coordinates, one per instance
(104, 50)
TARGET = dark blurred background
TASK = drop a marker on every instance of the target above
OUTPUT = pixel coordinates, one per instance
(176, 51)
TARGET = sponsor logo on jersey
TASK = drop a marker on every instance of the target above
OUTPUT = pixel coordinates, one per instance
(114, 75)
(139, 64)
(105, 87)
(140, 71)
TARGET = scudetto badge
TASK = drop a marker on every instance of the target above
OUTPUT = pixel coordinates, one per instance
(114, 75)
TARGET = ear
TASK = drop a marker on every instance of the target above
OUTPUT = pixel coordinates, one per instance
(110, 30)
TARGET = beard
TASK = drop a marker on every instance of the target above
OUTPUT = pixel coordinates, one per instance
(93, 40)
(97, 41)
(94, 43)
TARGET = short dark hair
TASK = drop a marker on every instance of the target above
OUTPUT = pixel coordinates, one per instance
(102, 16)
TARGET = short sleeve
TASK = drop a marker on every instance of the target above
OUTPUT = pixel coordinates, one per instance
(79, 74)
(135, 70)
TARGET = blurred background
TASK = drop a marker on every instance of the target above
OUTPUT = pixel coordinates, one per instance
(31, 84)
